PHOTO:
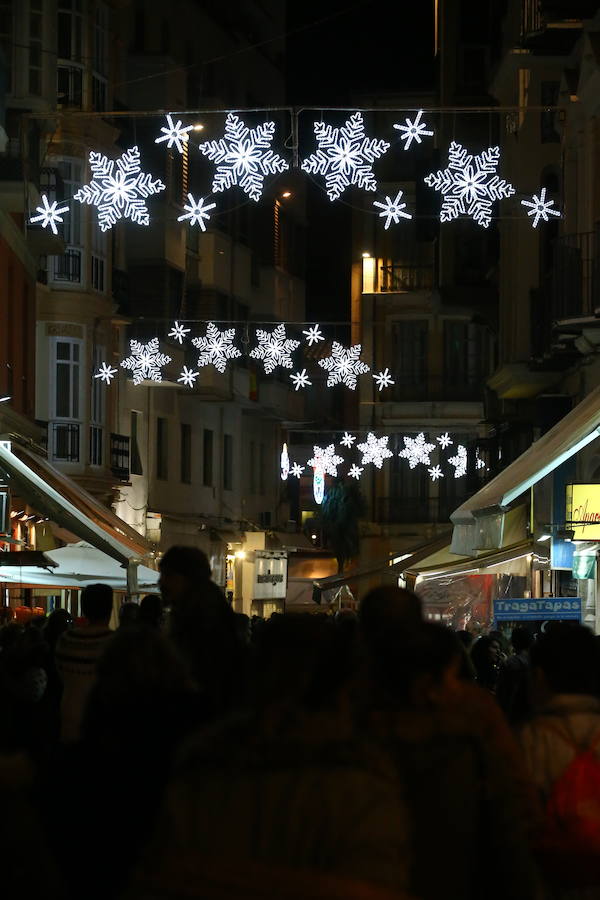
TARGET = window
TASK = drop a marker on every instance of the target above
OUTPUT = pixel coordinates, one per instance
(252, 463)
(99, 252)
(207, 458)
(136, 460)
(186, 453)
(100, 72)
(227, 462)
(162, 449)
(262, 461)
(6, 38)
(36, 25)
(409, 352)
(65, 401)
(97, 411)
(67, 267)
(70, 53)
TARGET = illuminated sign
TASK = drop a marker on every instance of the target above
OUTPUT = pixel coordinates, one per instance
(582, 513)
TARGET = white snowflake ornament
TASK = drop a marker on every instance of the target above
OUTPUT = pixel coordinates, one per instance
(392, 210)
(540, 207)
(313, 335)
(243, 157)
(216, 347)
(479, 462)
(300, 379)
(413, 131)
(145, 361)
(444, 441)
(344, 365)
(188, 377)
(347, 440)
(459, 461)
(384, 379)
(50, 214)
(120, 194)
(355, 472)
(106, 373)
(417, 450)
(326, 460)
(435, 472)
(197, 212)
(469, 185)
(297, 470)
(178, 332)
(175, 134)
(345, 156)
(274, 348)
(374, 450)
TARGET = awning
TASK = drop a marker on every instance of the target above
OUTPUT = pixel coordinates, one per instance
(59, 498)
(518, 556)
(288, 540)
(574, 431)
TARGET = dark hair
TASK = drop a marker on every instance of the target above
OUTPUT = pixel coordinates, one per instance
(402, 658)
(568, 657)
(151, 610)
(191, 562)
(521, 638)
(97, 602)
(465, 637)
(386, 607)
(129, 614)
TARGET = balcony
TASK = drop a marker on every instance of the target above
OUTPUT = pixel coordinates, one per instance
(574, 282)
(67, 267)
(119, 456)
(64, 441)
(401, 279)
(554, 24)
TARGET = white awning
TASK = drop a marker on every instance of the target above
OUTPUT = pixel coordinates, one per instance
(482, 515)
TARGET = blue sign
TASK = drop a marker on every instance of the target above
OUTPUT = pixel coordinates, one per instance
(535, 609)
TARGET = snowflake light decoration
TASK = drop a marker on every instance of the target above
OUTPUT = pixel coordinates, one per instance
(540, 207)
(284, 462)
(345, 156)
(374, 450)
(413, 131)
(120, 194)
(274, 348)
(417, 450)
(355, 472)
(326, 459)
(243, 157)
(50, 214)
(479, 462)
(300, 379)
(188, 377)
(384, 379)
(469, 185)
(297, 470)
(459, 461)
(106, 373)
(313, 335)
(216, 347)
(318, 485)
(435, 473)
(197, 212)
(344, 365)
(174, 134)
(392, 210)
(347, 440)
(444, 441)
(178, 332)
(145, 361)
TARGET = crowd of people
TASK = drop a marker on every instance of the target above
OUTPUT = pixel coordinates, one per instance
(195, 752)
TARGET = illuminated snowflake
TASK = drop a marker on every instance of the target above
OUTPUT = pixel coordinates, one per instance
(274, 348)
(50, 214)
(344, 365)
(469, 185)
(479, 462)
(188, 376)
(174, 134)
(106, 373)
(417, 450)
(345, 156)
(297, 470)
(216, 347)
(145, 361)
(119, 194)
(392, 210)
(459, 461)
(347, 440)
(355, 472)
(435, 473)
(384, 379)
(197, 212)
(243, 157)
(444, 441)
(300, 379)
(374, 450)
(540, 207)
(178, 332)
(325, 460)
(313, 335)
(413, 131)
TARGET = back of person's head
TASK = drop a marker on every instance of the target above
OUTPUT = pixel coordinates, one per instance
(151, 610)
(389, 607)
(97, 603)
(406, 660)
(140, 661)
(465, 637)
(521, 638)
(567, 656)
(190, 562)
(129, 614)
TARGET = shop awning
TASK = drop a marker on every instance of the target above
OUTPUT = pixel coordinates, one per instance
(62, 500)
(289, 540)
(481, 518)
(516, 557)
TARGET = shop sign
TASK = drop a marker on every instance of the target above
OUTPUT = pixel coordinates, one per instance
(270, 576)
(531, 609)
(583, 511)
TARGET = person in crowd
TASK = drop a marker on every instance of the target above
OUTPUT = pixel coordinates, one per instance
(23, 683)
(513, 687)
(58, 622)
(183, 572)
(389, 607)
(485, 656)
(77, 654)
(129, 614)
(561, 745)
(152, 612)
